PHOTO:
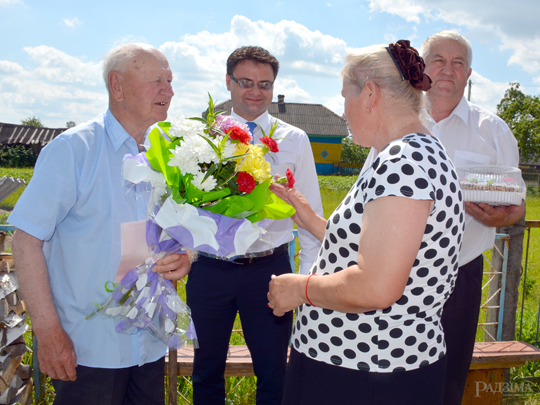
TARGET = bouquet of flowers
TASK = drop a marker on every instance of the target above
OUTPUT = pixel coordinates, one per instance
(209, 189)
(210, 184)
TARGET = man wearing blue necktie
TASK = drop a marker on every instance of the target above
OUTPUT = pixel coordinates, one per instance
(217, 289)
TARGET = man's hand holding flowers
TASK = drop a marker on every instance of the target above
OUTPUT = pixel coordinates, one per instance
(173, 267)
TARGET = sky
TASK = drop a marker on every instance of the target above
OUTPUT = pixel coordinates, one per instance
(51, 51)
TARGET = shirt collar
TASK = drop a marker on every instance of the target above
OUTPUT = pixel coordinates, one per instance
(263, 120)
(116, 132)
(462, 110)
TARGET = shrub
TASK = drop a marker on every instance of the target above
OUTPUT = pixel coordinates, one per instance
(352, 153)
(16, 156)
(532, 191)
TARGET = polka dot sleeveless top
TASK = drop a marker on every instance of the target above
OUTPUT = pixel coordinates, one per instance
(408, 334)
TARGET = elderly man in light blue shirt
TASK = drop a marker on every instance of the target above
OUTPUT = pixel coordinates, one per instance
(68, 243)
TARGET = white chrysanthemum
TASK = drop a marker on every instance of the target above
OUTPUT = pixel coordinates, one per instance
(192, 151)
(185, 128)
(185, 160)
(199, 147)
(207, 185)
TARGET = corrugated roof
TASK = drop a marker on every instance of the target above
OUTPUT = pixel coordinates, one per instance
(11, 134)
(314, 119)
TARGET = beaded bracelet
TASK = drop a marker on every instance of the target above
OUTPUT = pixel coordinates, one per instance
(311, 275)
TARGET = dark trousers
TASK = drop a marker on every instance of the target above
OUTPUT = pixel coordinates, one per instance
(460, 321)
(216, 291)
(312, 382)
(114, 386)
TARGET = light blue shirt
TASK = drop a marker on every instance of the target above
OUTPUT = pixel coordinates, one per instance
(75, 203)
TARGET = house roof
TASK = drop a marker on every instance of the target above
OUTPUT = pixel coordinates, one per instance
(314, 119)
(27, 135)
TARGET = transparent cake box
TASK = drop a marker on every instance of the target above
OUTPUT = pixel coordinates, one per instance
(493, 185)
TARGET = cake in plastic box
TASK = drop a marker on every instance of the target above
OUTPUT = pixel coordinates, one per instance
(494, 185)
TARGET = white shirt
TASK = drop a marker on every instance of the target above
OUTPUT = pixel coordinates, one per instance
(294, 153)
(473, 136)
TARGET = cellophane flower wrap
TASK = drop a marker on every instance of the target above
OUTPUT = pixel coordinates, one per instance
(143, 299)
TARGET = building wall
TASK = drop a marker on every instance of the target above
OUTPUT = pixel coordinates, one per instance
(326, 152)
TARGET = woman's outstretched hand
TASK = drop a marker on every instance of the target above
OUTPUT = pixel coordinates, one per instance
(305, 216)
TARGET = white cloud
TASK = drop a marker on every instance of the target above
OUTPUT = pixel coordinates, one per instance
(526, 53)
(485, 92)
(73, 22)
(402, 8)
(7, 2)
(514, 25)
(198, 61)
(335, 104)
(10, 68)
(54, 104)
(58, 88)
(57, 66)
(291, 90)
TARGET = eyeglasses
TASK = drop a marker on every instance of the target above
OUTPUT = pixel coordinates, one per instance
(248, 84)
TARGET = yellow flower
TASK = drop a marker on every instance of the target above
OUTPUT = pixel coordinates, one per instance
(254, 163)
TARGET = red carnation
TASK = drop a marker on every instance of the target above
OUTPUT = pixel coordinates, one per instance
(246, 182)
(240, 135)
(290, 178)
(272, 145)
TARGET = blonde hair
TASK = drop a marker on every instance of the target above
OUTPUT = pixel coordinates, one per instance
(375, 64)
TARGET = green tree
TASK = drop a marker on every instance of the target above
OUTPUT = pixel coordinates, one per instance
(70, 124)
(352, 153)
(522, 114)
(32, 121)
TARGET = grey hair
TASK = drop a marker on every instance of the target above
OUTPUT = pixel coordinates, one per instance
(117, 58)
(375, 64)
(447, 35)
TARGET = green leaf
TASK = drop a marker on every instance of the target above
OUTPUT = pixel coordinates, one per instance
(211, 170)
(214, 147)
(198, 119)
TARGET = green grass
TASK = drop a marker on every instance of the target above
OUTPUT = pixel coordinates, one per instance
(24, 174)
(333, 190)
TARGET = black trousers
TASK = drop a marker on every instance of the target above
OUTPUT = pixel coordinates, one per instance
(460, 321)
(114, 386)
(312, 382)
(216, 291)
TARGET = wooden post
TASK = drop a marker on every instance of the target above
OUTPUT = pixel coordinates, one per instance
(513, 275)
(2, 241)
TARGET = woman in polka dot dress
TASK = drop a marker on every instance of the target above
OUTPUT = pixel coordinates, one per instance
(368, 330)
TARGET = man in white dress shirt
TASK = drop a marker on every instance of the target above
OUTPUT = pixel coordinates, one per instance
(218, 289)
(472, 136)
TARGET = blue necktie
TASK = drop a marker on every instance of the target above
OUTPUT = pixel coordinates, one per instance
(252, 126)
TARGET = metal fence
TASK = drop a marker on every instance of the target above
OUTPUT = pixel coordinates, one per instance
(494, 287)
